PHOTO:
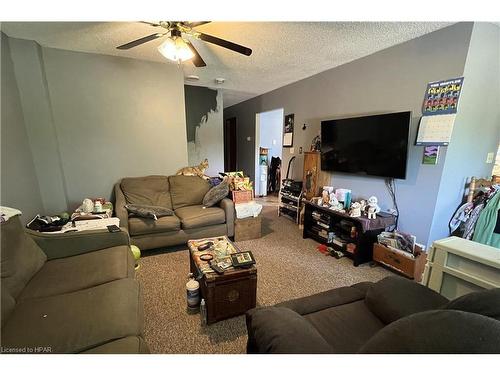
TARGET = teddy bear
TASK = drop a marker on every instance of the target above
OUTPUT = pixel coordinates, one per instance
(355, 210)
(373, 207)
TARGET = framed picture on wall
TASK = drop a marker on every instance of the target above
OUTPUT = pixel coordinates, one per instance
(288, 130)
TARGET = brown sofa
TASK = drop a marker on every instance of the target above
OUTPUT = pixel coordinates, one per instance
(184, 195)
(69, 293)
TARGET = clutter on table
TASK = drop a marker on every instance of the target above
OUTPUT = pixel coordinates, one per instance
(93, 208)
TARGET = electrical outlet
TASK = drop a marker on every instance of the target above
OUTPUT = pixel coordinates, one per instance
(292, 150)
(490, 157)
(274, 142)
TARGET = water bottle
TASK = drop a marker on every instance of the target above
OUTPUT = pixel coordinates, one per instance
(203, 312)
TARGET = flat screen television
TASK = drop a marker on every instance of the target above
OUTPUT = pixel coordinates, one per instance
(371, 145)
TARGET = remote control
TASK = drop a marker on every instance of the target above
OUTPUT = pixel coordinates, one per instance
(113, 228)
(216, 268)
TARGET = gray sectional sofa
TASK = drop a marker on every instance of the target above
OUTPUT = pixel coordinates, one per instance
(394, 315)
(184, 195)
(70, 293)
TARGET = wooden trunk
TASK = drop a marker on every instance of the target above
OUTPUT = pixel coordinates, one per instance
(313, 178)
(409, 267)
(247, 229)
(228, 295)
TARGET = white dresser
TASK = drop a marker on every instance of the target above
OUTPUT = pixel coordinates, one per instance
(456, 266)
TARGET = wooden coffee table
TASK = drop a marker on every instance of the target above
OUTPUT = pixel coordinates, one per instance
(227, 295)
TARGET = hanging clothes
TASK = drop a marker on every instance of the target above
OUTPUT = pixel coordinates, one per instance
(486, 224)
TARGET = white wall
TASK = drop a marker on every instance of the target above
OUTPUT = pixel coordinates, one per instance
(271, 132)
(93, 119)
(268, 134)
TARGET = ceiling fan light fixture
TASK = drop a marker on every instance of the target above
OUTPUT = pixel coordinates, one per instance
(176, 49)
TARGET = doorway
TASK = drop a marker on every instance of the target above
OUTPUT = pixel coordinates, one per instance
(230, 145)
(268, 136)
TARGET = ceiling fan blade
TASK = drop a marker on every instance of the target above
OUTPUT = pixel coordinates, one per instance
(140, 41)
(194, 24)
(197, 60)
(225, 43)
(150, 23)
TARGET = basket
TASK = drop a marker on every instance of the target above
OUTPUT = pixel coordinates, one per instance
(242, 196)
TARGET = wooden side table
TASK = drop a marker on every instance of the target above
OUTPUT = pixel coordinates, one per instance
(248, 228)
(230, 294)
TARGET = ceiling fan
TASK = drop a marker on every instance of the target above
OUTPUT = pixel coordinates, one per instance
(177, 48)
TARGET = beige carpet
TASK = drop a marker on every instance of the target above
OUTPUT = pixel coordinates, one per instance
(288, 267)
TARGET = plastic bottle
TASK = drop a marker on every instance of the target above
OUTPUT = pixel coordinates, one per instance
(192, 293)
(203, 312)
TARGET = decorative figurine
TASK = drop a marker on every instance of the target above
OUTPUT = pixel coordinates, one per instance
(325, 198)
(87, 206)
(362, 207)
(355, 210)
(373, 207)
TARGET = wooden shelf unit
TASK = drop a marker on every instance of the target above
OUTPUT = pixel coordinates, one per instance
(340, 231)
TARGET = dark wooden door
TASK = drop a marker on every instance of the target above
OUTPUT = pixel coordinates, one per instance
(230, 144)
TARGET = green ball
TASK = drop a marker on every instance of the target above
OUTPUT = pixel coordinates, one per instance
(136, 252)
(64, 215)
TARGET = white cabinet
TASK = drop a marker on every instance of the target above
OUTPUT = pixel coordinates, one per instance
(456, 266)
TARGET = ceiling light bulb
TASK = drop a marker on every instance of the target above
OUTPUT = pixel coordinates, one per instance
(176, 49)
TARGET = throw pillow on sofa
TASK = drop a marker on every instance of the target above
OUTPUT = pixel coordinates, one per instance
(150, 212)
(216, 194)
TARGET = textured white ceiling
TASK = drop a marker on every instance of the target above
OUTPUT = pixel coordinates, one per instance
(283, 52)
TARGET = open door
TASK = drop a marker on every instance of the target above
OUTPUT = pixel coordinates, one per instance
(230, 145)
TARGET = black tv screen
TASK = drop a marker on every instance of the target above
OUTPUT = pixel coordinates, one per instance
(372, 145)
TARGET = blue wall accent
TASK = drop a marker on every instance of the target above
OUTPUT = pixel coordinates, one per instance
(391, 80)
(477, 125)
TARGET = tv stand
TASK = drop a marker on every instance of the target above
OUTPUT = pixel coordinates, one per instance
(354, 236)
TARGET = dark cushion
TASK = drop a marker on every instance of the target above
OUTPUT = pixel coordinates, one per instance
(149, 190)
(216, 194)
(21, 257)
(280, 330)
(345, 327)
(324, 300)
(78, 321)
(151, 212)
(78, 272)
(395, 297)
(139, 225)
(187, 190)
(126, 345)
(199, 216)
(437, 332)
(486, 303)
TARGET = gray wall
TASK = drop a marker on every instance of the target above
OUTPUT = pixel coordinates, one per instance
(19, 185)
(390, 80)
(477, 126)
(93, 119)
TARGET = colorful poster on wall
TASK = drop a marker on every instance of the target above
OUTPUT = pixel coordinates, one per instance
(288, 130)
(439, 111)
(431, 154)
(441, 97)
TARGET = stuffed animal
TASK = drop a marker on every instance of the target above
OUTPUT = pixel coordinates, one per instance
(355, 210)
(325, 198)
(362, 207)
(373, 207)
